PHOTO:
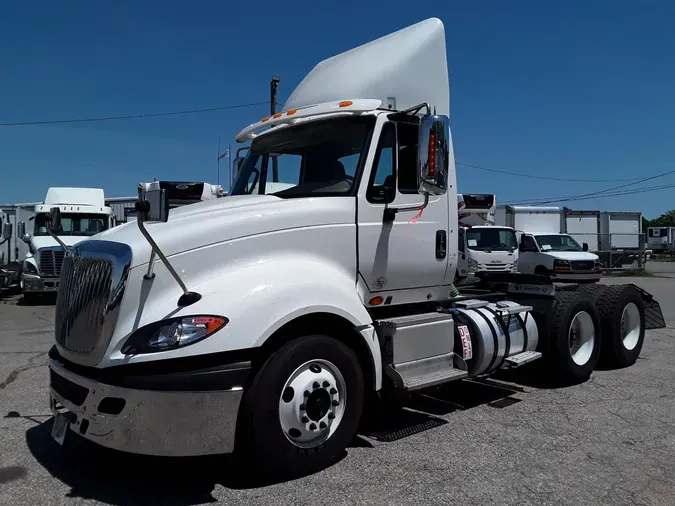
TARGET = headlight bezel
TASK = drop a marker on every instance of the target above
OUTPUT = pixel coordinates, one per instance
(139, 342)
(32, 268)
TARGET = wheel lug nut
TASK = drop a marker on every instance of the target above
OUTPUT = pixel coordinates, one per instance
(315, 368)
(305, 419)
(331, 416)
(333, 391)
(302, 407)
(322, 425)
(306, 394)
(326, 384)
(312, 426)
(335, 402)
(315, 384)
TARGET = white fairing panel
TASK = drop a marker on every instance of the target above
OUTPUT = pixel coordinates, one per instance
(402, 69)
(75, 196)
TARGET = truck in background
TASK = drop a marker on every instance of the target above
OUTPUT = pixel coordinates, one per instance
(267, 323)
(661, 239)
(181, 193)
(5, 251)
(482, 245)
(84, 214)
(545, 250)
(622, 241)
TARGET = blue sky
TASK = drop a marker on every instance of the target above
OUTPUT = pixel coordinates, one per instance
(577, 89)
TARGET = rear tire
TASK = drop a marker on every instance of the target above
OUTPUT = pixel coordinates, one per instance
(575, 336)
(622, 316)
(592, 290)
(303, 408)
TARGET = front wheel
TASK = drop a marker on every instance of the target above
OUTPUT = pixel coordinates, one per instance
(303, 408)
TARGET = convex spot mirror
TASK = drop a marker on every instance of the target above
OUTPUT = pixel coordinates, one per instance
(432, 156)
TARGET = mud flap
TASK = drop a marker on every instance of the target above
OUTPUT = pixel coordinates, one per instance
(653, 315)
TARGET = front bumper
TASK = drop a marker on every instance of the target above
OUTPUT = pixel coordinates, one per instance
(36, 284)
(577, 276)
(153, 421)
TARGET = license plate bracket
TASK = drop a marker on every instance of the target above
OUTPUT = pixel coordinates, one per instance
(60, 428)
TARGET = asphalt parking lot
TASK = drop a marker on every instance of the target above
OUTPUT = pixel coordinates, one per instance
(610, 440)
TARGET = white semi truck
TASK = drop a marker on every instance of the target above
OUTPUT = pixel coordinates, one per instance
(267, 323)
(5, 251)
(83, 213)
(483, 246)
(544, 249)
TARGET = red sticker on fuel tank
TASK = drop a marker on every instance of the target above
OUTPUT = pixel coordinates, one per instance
(465, 336)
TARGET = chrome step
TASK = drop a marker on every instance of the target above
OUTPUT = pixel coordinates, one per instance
(426, 372)
(522, 358)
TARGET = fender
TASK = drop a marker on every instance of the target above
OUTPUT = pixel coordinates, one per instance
(258, 300)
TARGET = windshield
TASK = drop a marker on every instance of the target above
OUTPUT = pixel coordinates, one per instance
(73, 224)
(557, 243)
(491, 239)
(320, 158)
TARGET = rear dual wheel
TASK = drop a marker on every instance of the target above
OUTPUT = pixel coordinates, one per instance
(575, 333)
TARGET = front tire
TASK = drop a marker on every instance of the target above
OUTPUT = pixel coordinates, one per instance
(303, 408)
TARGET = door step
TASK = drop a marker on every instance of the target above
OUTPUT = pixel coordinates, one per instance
(522, 358)
(426, 372)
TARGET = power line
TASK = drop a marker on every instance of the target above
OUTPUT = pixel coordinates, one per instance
(613, 194)
(532, 176)
(600, 192)
(131, 116)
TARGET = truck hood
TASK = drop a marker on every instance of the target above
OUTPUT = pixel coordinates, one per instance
(572, 255)
(48, 241)
(225, 219)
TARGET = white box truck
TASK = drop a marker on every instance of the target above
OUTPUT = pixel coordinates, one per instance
(622, 241)
(5, 251)
(545, 251)
(483, 246)
(584, 227)
(266, 323)
(84, 214)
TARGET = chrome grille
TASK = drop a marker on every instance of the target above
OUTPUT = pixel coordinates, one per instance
(582, 265)
(83, 294)
(51, 262)
(92, 285)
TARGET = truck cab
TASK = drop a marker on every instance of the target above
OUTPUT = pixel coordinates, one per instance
(559, 256)
(483, 246)
(84, 214)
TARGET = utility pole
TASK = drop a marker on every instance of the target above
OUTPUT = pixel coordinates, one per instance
(273, 109)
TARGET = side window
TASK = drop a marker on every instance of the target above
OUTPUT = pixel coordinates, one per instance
(529, 244)
(407, 157)
(382, 177)
(460, 238)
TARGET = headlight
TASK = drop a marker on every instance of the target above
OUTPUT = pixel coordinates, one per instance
(597, 266)
(473, 265)
(29, 268)
(515, 265)
(172, 333)
(561, 265)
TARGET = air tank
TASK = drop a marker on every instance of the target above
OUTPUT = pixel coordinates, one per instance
(496, 331)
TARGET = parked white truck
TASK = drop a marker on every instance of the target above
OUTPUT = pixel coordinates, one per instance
(661, 239)
(544, 250)
(483, 246)
(5, 251)
(266, 323)
(83, 213)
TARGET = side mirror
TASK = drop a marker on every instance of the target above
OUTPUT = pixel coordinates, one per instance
(55, 219)
(584, 246)
(6, 231)
(153, 203)
(236, 166)
(433, 149)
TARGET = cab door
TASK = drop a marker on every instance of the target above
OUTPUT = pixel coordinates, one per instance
(409, 249)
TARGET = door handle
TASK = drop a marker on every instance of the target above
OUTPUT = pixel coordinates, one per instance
(441, 244)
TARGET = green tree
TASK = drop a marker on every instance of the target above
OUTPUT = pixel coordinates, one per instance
(667, 219)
